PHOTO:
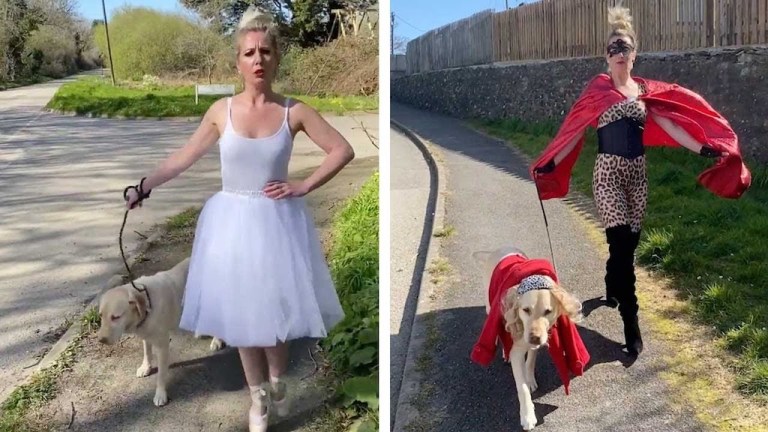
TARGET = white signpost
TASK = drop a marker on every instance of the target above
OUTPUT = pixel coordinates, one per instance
(213, 89)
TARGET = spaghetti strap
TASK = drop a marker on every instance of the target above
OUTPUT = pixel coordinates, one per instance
(287, 107)
(229, 112)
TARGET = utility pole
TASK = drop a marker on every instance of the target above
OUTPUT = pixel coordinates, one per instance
(109, 47)
(392, 33)
(506, 2)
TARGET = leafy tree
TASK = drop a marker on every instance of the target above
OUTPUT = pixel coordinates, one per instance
(224, 15)
(308, 22)
(311, 21)
(52, 27)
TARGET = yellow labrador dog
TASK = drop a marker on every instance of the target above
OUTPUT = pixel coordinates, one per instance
(123, 309)
(530, 305)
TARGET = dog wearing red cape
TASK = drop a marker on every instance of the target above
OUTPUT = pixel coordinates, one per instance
(527, 309)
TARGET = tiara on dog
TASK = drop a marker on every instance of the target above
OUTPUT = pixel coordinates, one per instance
(534, 282)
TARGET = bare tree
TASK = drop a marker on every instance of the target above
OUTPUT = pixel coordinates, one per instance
(400, 44)
(206, 50)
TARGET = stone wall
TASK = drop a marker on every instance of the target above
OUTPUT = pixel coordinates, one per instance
(732, 80)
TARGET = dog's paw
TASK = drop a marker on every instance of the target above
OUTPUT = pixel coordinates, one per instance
(143, 371)
(528, 421)
(217, 344)
(161, 397)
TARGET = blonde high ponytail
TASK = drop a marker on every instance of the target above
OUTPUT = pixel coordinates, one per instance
(255, 19)
(620, 20)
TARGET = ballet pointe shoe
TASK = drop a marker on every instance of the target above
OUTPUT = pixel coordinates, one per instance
(279, 396)
(258, 415)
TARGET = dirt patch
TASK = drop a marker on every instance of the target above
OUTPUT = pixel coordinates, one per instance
(207, 389)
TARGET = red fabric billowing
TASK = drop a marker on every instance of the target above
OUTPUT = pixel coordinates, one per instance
(729, 178)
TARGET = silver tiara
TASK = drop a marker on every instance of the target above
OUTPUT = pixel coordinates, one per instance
(535, 282)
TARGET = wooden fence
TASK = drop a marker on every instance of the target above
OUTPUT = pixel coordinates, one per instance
(550, 29)
(741, 22)
(461, 43)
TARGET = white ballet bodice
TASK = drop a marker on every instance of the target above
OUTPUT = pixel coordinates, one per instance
(248, 164)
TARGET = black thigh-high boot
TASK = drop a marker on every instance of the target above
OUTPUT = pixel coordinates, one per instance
(618, 237)
(628, 306)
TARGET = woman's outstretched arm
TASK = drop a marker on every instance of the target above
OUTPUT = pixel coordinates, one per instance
(685, 139)
(199, 143)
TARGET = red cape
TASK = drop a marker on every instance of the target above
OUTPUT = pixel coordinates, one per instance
(566, 348)
(728, 178)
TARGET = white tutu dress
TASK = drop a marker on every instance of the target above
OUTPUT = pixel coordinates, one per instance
(257, 273)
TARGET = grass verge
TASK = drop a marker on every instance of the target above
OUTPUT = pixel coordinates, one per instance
(96, 96)
(352, 347)
(712, 248)
(21, 82)
(42, 387)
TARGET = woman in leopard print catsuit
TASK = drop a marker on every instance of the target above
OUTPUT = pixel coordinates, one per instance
(620, 183)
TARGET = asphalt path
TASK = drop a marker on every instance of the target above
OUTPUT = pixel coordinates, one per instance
(491, 202)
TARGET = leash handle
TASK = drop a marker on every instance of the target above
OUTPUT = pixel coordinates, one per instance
(139, 188)
(546, 224)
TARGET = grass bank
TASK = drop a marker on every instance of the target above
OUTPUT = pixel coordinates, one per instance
(43, 386)
(712, 248)
(352, 347)
(24, 81)
(96, 96)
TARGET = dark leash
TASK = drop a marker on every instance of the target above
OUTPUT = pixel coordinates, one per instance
(139, 188)
(546, 224)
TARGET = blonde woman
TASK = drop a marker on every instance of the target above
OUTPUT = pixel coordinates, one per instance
(258, 277)
(630, 113)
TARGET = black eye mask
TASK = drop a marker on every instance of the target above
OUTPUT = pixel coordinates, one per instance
(619, 47)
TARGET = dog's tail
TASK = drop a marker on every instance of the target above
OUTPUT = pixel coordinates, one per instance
(488, 260)
(482, 256)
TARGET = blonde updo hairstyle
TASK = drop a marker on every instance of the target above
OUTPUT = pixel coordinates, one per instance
(620, 20)
(255, 19)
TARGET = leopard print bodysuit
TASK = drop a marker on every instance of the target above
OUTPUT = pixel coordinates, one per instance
(620, 184)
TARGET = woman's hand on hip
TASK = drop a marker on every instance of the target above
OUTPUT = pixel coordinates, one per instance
(281, 189)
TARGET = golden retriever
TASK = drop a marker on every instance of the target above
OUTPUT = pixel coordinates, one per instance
(123, 309)
(528, 318)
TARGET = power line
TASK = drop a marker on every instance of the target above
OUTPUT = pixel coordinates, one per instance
(406, 22)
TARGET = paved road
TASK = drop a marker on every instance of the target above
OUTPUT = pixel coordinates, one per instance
(409, 188)
(490, 203)
(61, 183)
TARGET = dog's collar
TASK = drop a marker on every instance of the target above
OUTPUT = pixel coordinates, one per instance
(534, 282)
(146, 315)
(146, 310)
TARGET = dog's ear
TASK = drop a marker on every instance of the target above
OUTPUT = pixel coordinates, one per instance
(138, 301)
(567, 304)
(511, 310)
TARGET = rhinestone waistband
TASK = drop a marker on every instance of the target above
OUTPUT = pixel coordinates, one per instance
(244, 192)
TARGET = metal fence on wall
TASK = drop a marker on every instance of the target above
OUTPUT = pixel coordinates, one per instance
(550, 29)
